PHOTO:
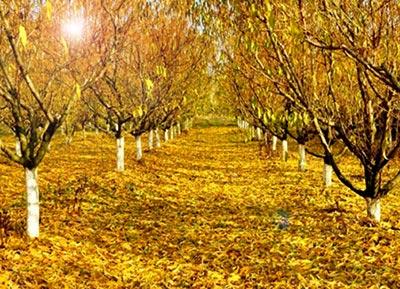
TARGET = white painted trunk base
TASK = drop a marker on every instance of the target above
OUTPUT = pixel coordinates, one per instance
(32, 190)
(374, 209)
(259, 134)
(274, 142)
(18, 148)
(178, 128)
(139, 151)
(158, 139)
(252, 133)
(327, 175)
(172, 133)
(285, 153)
(166, 135)
(120, 154)
(150, 140)
(302, 158)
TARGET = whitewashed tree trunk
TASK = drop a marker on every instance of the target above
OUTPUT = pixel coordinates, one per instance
(139, 151)
(266, 139)
(32, 190)
(302, 158)
(327, 175)
(374, 209)
(150, 140)
(252, 133)
(259, 134)
(68, 139)
(120, 154)
(18, 148)
(186, 125)
(171, 133)
(285, 152)
(178, 128)
(274, 143)
(166, 135)
(158, 140)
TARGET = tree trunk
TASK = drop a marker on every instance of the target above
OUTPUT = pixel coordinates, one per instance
(327, 174)
(302, 158)
(18, 148)
(32, 189)
(68, 139)
(186, 125)
(259, 134)
(150, 140)
(374, 209)
(171, 133)
(274, 143)
(158, 140)
(139, 151)
(285, 153)
(166, 135)
(120, 154)
(178, 128)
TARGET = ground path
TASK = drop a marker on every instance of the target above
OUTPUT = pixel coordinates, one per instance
(203, 211)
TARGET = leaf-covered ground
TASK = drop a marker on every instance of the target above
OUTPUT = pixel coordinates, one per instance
(204, 211)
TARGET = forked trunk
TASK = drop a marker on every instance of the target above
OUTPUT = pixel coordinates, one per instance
(274, 143)
(285, 153)
(120, 154)
(302, 158)
(151, 136)
(158, 140)
(32, 190)
(374, 209)
(139, 152)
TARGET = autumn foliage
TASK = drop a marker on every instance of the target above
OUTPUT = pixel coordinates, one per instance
(204, 211)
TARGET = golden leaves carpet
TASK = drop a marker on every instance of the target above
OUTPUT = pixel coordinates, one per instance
(204, 211)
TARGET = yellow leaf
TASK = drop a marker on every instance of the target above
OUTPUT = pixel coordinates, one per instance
(138, 112)
(78, 91)
(22, 36)
(234, 277)
(149, 84)
(126, 246)
(49, 9)
(65, 45)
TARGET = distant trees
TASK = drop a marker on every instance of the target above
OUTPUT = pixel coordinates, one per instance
(332, 63)
(148, 78)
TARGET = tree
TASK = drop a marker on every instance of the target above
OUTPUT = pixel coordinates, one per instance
(39, 81)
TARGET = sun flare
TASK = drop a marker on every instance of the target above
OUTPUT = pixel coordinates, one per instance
(74, 28)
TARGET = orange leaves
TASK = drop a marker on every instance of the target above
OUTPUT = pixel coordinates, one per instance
(202, 212)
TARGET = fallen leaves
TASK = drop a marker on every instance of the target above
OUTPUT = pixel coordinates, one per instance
(204, 211)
